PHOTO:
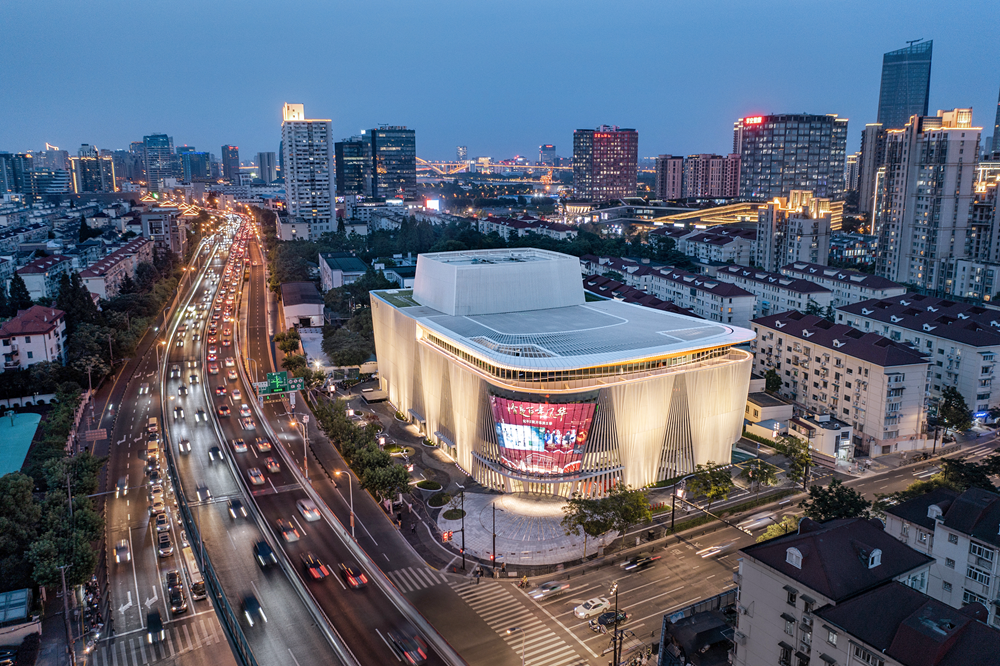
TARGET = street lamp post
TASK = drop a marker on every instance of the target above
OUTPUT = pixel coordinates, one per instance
(351, 494)
(511, 631)
(305, 442)
(463, 524)
(614, 591)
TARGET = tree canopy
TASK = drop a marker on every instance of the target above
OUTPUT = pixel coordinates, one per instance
(712, 481)
(952, 410)
(835, 501)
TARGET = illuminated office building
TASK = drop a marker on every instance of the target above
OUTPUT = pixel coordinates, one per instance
(906, 85)
(605, 163)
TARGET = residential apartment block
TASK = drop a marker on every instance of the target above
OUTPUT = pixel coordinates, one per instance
(166, 228)
(961, 340)
(41, 276)
(793, 230)
(775, 292)
(711, 176)
(961, 531)
(32, 336)
(720, 245)
(846, 286)
(869, 381)
(669, 177)
(788, 584)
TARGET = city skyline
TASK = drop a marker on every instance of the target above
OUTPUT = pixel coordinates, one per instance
(488, 102)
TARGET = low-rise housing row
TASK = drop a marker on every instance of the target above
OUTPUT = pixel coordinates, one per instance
(776, 293)
(508, 227)
(707, 297)
(847, 286)
(605, 287)
(105, 276)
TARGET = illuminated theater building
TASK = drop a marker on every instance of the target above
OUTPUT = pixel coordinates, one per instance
(497, 357)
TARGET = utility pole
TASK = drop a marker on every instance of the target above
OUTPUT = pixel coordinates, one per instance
(70, 645)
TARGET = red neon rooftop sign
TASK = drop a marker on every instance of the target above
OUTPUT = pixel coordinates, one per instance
(753, 120)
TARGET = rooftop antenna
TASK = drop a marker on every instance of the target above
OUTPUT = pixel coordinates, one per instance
(914, 41)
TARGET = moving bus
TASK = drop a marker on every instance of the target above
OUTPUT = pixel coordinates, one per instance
(194, 574)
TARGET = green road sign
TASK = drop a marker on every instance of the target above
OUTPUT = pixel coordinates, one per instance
(277, 382)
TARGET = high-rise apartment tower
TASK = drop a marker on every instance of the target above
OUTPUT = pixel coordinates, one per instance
(307, 146)
(923, 199)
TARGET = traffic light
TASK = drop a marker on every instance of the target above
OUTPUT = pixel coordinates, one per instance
(446, 536)
(491, 557)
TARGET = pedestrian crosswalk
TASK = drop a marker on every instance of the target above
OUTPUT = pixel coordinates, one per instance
(180, 638)
(411, 579)
(501, 610)
(927, 472)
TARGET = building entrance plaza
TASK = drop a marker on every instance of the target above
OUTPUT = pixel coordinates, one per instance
(528, 529)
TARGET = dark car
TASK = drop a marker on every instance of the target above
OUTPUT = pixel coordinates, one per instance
(315, 567)
(264, 554)
(641, 562)
(408, 645)
(178, 600)
(608, 619)
(236, 509)
(154, 627)
(252, 610)
(353, 575)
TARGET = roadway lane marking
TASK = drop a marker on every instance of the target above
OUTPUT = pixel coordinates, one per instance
(170, 643)
(393, 651)
(296, 521)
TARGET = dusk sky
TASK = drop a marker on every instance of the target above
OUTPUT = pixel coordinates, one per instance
(499, 77)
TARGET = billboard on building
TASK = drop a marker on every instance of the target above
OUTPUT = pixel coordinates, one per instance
(542, 437)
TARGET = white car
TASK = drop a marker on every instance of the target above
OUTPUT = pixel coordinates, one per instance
(591, 607)
(122, 552)
(712, 551)
(758, 521)
(237, 395)
(308, 509)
